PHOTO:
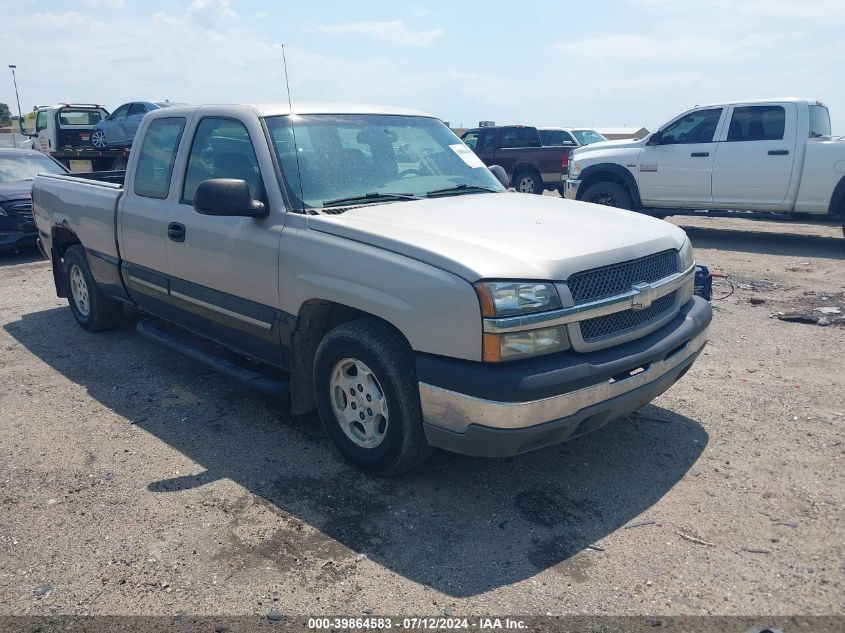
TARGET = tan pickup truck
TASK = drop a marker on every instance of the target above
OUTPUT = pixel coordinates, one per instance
(365, 263)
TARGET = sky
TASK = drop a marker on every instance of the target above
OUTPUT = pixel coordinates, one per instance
(602, 63)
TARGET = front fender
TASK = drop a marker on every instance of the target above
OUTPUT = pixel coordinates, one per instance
(594, 173)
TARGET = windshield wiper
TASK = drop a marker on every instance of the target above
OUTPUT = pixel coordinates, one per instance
(464, 188)
(374, 196)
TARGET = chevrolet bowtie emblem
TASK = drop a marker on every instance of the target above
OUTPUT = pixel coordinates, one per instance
(644, 296)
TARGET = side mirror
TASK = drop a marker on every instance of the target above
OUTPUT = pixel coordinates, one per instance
(227, 196)
(501, 175)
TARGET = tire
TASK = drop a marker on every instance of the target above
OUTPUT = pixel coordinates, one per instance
(609, 194)
(90, 307)
(389, 439)
(98, 139)
(528, 181)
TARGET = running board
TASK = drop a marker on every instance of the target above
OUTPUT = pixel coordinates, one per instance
(216, 356)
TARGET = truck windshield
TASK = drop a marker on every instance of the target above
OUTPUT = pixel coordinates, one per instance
(585, 137)
(819, 121)
(331, 157)
(14, 168)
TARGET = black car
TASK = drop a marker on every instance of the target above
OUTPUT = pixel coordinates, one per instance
(18, 167)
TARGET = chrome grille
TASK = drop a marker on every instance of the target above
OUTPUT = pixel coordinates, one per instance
(621, 322)
(22, 210)
(600, 283)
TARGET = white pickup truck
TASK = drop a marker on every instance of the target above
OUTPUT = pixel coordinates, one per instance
(772, 155)
(368, 264)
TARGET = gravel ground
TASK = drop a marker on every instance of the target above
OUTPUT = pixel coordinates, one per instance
(134, 480)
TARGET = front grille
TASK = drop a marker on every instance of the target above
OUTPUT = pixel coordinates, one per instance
(21, 210)
(600, 283)
(620, 322)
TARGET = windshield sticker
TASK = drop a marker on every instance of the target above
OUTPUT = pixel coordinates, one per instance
(467, 155)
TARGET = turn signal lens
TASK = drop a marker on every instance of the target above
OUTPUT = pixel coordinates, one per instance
(514, 345)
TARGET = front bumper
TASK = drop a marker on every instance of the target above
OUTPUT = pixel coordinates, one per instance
(15, 233)
(501, 410)
(570, 188)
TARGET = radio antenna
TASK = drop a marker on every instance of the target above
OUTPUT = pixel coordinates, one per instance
(287, 83)
(293, 129)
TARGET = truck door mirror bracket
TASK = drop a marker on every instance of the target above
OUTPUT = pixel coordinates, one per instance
(227, 197)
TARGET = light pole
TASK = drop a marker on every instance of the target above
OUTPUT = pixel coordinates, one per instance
(17, 98)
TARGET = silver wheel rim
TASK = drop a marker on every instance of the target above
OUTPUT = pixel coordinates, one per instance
(526, 185)
(98, 139)
(79, 290)
(359, 404)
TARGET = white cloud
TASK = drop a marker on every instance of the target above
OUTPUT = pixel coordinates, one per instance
(393, 31)
(212, 14)
(629, 46)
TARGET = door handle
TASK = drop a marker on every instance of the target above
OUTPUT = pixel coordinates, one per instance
(700, 154)
(176, 231)
(778, 152)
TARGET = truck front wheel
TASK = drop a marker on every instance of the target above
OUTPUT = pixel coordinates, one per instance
(90, 307)
(528, 182)
(368, 398)
(610, 194)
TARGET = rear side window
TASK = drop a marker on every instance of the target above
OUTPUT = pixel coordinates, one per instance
(819, 121)
(520, 137)
(470, 138)
(156, 157)
(757, 123)
(222, 148)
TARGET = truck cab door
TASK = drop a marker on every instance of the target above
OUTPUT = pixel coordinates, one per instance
(755, 158)
(42, 141)
(676, 163)
(225, 269)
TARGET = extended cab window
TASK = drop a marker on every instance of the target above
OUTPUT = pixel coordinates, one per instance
(695, 127)
(222, 148)
(757, 123)
(156, 157)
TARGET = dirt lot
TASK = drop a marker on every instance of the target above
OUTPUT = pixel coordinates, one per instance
(134, 480)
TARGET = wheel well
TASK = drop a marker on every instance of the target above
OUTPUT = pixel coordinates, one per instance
(62, 239)
(521, 168)
(316, 317)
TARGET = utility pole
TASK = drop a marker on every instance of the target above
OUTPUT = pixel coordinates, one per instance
(18, 99)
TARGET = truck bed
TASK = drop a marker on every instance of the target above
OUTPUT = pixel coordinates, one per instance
(83, 203)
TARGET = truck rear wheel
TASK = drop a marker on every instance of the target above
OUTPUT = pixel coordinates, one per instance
(609, 194)
(528, 182)
(368, 397)
(90, 307)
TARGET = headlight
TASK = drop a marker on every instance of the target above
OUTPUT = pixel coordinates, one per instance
(574, 169)
(513, 345)
(506, 298)
(686, 255)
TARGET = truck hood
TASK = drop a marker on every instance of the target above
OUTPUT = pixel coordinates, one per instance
(505, 235)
